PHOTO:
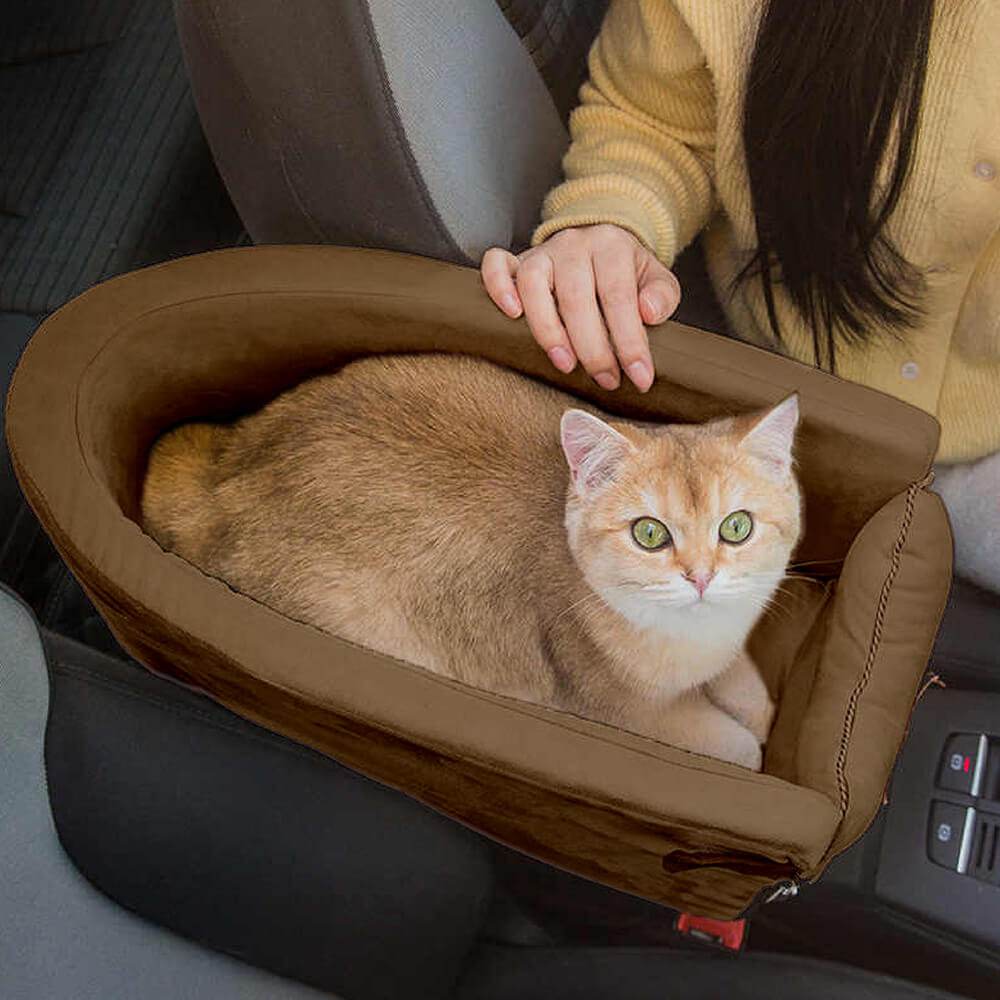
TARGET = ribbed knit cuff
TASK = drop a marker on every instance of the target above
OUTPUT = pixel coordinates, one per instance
(583, 203)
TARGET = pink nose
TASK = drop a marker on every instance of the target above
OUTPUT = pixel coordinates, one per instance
(699, 579)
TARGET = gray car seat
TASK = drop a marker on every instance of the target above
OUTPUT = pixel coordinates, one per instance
(103, 165)
(103, 168)
(330, 911)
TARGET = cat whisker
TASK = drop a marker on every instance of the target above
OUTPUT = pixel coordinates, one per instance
(763, 598)
(755, 589)
(787, 605)
(816, 562)
(766, 607)
(592, 596)
(784, 614)
(806, 577)
(575, 604)
(778, 594)
(790, 597)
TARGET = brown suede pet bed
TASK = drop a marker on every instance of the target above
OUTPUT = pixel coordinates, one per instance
(218, 335)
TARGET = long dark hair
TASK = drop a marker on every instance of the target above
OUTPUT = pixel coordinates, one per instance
(833, 98)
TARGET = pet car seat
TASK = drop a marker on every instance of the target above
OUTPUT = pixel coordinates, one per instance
(218, 335)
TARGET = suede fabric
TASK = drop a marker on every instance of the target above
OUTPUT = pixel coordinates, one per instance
(220, 334)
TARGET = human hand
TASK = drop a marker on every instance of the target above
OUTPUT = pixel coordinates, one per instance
(564, 285)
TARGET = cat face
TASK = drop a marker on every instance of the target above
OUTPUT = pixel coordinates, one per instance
(683, 523)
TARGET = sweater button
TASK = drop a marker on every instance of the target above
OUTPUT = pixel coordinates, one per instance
(910, 370)
(985, 170)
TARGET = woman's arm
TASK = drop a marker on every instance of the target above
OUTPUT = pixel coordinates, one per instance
(638, 189)
(643, 137)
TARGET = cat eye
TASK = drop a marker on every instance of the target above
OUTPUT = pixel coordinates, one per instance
(650, 533)
(736, 528)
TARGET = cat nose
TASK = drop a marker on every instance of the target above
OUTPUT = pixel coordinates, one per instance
(700, 579)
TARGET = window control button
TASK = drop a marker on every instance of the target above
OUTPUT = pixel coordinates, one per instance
(949, 835)
(963, 763)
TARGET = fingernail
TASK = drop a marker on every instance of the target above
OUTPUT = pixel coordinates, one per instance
(510, 304)
(639, 373)
(562, 359)
(606, 380)
(656, 309)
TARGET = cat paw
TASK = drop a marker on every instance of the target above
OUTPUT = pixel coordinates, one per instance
(741, 693)
(761, 718)
(741, 747)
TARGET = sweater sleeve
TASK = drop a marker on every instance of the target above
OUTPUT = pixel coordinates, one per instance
(643, 136)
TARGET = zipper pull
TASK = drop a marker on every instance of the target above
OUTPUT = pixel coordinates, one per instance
(784, 890)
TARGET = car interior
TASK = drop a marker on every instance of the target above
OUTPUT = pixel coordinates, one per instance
(154, 843)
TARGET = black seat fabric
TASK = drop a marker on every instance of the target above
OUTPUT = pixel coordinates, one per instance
(255, 846)
(103, 166)
(967, 649)
(655, 974)
(62, 939)
(417, 874)
(15, 332)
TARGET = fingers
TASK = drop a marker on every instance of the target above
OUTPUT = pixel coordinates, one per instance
(535, 283)
(575, 294)
(498, 268)
(659, 290)
(586, 294)
(616, 283)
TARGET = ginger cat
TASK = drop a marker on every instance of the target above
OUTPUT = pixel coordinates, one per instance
(467, 519)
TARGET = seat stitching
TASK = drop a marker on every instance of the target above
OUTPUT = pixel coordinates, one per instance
(873, 647)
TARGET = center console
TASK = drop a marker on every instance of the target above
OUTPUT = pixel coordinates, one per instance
(918, 896)
(940, 850)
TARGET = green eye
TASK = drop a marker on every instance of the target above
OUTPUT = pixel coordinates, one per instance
(650, 533)
(736, 527)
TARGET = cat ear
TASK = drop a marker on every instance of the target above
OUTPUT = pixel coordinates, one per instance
(594, 450)
(773, 434)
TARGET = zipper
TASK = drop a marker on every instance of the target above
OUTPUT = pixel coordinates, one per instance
(779, 892)
(782, 891)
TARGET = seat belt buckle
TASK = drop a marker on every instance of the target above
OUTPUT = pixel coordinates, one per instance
(725, 935)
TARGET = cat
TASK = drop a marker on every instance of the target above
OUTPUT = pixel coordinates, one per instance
(460, 516)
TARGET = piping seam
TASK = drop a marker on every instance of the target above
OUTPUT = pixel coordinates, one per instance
(874, 645)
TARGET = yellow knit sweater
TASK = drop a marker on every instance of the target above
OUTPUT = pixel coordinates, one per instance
(657, 149)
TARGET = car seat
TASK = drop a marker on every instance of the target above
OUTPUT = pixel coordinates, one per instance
(212, 58)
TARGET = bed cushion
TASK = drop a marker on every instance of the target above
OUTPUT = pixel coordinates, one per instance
(220, 334)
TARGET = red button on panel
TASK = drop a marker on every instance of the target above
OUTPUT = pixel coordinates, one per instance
(963, 763)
